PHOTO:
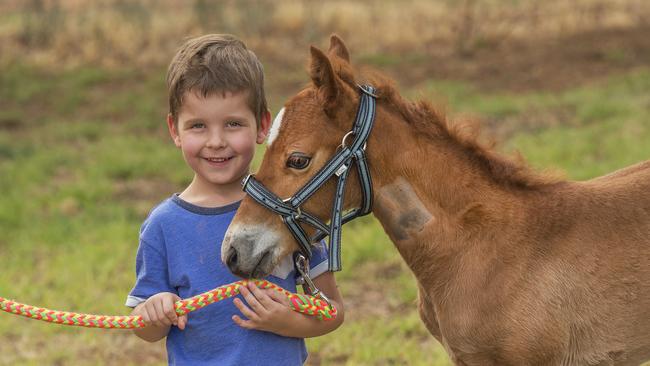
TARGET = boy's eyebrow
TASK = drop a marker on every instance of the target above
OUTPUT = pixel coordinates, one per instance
(239, 118)
(239, 114)
(192, 120)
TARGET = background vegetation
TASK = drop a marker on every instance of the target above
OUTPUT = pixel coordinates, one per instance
(84, 153)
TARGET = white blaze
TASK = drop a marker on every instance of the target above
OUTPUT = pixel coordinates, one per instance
(275, 127)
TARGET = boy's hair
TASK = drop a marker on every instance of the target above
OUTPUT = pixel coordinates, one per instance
(216, 63)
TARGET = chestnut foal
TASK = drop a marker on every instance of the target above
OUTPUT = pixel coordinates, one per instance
(513, 268)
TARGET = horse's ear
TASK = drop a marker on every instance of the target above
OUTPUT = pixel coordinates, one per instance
(324, 78)
(337, 48)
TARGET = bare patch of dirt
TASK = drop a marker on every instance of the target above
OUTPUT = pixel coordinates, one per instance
(543, 64)
(534, 119)
(143, 189)
(9, 124)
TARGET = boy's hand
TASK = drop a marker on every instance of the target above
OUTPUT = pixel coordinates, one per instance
(159, 311)
(267, 310)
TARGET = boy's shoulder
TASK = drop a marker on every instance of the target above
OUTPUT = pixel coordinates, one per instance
(164, 209)
(174, 212)
(160, 214)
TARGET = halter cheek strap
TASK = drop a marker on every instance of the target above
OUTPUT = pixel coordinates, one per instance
(338, 165)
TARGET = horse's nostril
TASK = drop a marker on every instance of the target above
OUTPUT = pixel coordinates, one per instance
(232, 258)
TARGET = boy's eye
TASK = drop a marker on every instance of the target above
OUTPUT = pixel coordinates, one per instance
(233, 123)
(197, 125)
(298, 161)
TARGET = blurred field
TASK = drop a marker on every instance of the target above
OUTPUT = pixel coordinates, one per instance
(84, 152)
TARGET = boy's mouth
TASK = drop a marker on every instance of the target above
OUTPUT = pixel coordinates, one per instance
(218, 160)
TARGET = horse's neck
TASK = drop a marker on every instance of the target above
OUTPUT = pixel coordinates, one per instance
(434, 205)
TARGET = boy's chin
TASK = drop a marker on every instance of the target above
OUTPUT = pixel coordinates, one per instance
(225, 179)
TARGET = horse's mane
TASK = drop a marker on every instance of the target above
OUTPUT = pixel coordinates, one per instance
(433, 123)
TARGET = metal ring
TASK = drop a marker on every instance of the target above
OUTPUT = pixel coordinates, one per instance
(345, 137)
(301, 263)
(367, 91)
(299, 213)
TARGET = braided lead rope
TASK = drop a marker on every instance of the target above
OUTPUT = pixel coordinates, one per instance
(304, 304)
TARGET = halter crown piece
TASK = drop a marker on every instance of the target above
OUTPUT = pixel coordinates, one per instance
(289, 209)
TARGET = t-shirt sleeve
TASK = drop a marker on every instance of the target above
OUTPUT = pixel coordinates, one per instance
(319, 260)
(152, 275)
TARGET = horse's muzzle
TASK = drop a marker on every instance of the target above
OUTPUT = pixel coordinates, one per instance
(249, 253)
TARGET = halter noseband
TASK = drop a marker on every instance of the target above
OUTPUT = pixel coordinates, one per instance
(289, 209)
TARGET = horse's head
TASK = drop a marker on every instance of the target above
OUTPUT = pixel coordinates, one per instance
(304, 136)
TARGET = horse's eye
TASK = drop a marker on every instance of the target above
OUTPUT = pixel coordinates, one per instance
(298, 161)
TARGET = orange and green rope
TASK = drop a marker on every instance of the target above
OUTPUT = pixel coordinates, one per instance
(301, 303)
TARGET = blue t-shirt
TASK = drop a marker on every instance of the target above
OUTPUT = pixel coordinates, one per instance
(180, 252)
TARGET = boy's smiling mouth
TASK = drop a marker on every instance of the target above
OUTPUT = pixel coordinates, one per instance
(219, 160)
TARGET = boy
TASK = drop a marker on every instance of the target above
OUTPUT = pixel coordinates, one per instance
(217, 114)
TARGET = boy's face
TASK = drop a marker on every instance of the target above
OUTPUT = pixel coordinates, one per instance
(217, 135)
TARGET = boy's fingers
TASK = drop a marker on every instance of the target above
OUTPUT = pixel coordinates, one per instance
(145, 315)
(261, 296)
(161, 318)
(168, 308)
(151, 312)
(251, 299)
(182, 321)
(278, 297)
(250, 314)
(243, 323)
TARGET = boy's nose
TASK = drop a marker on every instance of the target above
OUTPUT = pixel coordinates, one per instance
(216, 141)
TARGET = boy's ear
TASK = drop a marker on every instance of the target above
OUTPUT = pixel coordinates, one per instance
(173, 130)
(265, 125)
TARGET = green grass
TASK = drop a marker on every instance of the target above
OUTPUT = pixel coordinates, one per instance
(84, 155)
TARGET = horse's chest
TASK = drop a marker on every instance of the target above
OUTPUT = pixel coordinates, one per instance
(452, 331)
(473, 337)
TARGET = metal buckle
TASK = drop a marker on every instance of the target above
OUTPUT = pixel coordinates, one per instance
(244, 183)
(365, 91)
(299, 215)
(309, 287)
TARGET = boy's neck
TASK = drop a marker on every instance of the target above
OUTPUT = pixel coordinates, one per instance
(205, 194)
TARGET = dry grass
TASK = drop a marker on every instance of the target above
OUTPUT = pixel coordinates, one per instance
(114, 33)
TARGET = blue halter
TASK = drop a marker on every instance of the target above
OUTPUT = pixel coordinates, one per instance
(338, 165)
